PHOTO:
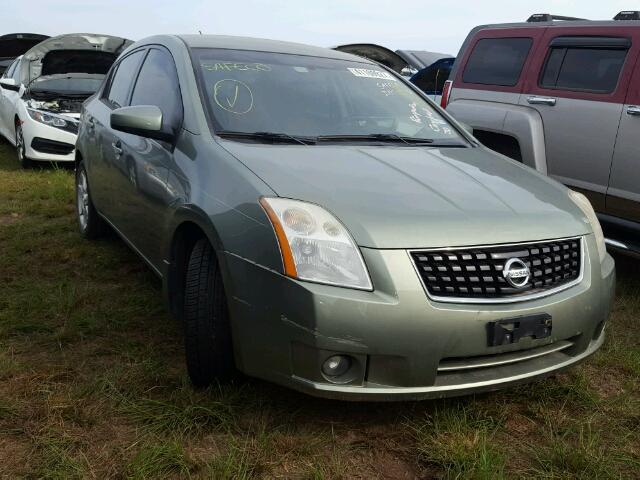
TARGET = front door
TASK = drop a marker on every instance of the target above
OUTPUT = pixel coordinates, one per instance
(108, 185)
(142, 164)
(578, 84)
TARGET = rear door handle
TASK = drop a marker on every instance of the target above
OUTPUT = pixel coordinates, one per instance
(633, 110)
(535, 100)
(90, 123)
(117, 148)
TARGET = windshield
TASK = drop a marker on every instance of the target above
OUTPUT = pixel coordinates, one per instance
(247, 91)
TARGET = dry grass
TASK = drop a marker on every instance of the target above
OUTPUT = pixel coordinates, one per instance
(92, 383)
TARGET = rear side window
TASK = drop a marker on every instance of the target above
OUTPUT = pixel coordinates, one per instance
(123, 78)
(583, 69)
(497, 61)
(158, 85)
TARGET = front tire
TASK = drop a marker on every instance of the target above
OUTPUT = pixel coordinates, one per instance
(21, 149)
(90, 222)
(206, 319)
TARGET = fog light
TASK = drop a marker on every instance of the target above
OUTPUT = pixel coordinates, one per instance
(336, 365)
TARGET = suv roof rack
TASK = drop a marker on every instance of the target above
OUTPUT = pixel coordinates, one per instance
(628, 15)
(547, 17)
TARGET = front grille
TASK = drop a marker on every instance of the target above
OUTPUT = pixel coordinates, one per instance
(477, 272)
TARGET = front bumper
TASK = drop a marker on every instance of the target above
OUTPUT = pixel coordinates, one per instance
(404, 345)
(41, 133)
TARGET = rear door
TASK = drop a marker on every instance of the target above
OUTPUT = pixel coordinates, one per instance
(577, 83)
(490, 75)
(623, 194)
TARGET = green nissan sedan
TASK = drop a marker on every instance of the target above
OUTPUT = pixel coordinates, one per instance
(319, 223)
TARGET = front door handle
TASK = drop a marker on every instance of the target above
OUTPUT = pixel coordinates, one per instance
(117, 148)
(91, 124)
(535, 100)
(633, 110)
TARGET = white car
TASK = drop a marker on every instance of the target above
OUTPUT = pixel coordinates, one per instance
(42, 92)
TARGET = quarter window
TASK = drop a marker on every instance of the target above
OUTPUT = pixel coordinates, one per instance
(123, 78)
(583, 69)
(497, 61)
(158, 85)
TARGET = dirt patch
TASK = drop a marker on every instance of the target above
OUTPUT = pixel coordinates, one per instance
(9, 219)
(606, 384)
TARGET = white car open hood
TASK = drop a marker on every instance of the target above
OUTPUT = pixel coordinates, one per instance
(73, 42)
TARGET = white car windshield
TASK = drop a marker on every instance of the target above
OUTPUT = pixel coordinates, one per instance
(305, 96)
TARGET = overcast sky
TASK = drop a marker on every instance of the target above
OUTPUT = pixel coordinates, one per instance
(411, 24)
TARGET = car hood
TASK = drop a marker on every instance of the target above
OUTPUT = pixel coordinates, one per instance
(72, 53)
(15, 44)
(412, 197)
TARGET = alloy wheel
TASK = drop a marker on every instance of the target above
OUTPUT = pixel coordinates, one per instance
(82, 199)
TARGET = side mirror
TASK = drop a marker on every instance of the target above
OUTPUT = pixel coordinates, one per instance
(9, 84)
(142, 120)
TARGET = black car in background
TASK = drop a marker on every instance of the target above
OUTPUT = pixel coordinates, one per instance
(427, 70)
(13, 45)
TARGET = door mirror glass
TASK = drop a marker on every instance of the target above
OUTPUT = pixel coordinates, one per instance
(142, 120)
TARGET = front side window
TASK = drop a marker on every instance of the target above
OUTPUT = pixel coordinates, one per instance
(593, 70)
(123, 78)
(497, 61)
(247, 91)
(158, 85)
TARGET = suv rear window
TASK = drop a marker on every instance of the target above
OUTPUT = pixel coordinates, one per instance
(497, 61)
(583, 69)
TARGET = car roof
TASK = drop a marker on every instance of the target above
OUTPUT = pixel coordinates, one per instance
(422, 58)
(563, 24)
(265, 45)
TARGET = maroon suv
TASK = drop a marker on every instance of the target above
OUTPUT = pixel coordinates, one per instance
(561, 95)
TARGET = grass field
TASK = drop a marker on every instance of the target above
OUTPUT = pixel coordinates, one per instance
(93, 383)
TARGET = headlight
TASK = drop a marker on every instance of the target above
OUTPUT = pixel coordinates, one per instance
(315, 246)
(585, 205)
(53, 120)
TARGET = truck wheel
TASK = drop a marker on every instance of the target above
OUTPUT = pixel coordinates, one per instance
(91, 224)
(206, 319)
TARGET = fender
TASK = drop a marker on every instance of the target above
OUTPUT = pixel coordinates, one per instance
(171, 265)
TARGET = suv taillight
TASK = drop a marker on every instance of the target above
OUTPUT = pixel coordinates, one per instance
(446, 92)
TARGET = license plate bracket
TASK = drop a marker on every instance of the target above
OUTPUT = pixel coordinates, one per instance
(510, 330)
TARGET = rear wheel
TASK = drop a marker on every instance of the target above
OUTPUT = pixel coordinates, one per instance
(207, 329)
(91, 224)
(21, 149)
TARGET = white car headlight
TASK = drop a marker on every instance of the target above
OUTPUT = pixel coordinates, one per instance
(53, 120)
(585, 205)
(315, 246)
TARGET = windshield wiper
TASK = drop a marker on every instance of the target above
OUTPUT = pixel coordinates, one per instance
(268, 136)
(378, 137)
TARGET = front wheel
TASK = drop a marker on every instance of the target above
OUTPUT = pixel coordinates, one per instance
(91, 224)
(21, 150)
(206, 319)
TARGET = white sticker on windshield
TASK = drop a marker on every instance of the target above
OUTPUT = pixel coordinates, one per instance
(367, 73)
